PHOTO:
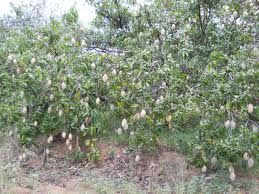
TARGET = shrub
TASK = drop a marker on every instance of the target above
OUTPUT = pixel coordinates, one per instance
(187, 72)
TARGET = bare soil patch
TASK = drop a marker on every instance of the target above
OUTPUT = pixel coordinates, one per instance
(62, 174)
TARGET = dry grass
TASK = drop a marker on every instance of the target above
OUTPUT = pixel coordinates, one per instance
(164, 171)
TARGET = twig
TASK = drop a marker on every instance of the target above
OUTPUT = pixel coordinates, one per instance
(44, 159)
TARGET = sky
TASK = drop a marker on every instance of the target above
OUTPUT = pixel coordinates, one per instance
(55, 7)
(59, 7)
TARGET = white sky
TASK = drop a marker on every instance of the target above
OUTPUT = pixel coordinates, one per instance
(55, 7)
(58, 7)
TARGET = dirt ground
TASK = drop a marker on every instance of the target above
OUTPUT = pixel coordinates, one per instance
(26, 177)
(116, 172)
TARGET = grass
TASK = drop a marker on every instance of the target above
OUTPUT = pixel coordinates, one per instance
(213, 183)
(3, 173)
(1, 139)
(113, 137)
(180, 141)
(105, 185)
(3, 179)
(219, 183)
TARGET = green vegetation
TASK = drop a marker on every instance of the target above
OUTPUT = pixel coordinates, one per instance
(177, 73)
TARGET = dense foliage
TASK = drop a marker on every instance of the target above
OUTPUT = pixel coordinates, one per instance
(139, 71)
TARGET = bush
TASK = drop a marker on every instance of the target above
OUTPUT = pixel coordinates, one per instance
(164, 78)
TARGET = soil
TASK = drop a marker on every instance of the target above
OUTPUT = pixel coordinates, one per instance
(62, 174)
